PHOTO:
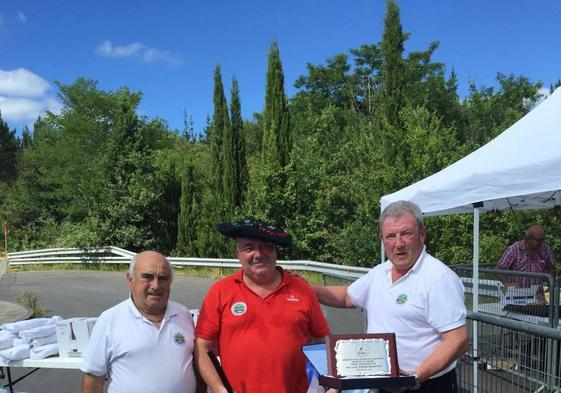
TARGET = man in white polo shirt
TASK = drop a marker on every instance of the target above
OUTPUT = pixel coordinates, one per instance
(145, 343)
(413, 295)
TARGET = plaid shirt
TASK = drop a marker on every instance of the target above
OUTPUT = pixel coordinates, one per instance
(517, 258)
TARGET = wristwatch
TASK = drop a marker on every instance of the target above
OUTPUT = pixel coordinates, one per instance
(417, 382)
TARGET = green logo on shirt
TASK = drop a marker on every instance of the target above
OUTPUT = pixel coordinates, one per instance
(401, 299)
(179, 338)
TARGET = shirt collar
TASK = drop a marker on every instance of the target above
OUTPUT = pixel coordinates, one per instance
(416, 266)
(285, 278)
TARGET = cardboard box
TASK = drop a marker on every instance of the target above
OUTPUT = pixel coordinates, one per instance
(73, 335)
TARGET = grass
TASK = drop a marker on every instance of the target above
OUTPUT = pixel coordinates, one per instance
(31, 301)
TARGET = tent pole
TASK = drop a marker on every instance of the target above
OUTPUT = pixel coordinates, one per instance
(475, 294)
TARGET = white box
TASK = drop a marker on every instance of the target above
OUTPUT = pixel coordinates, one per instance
(520, 296)
(73, 335)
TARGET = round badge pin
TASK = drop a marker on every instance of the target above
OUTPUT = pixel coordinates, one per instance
(238, 308)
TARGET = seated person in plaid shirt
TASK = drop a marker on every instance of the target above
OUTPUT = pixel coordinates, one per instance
(530, 254)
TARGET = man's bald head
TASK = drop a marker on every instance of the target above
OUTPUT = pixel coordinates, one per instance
(534, 238)
(534, 232)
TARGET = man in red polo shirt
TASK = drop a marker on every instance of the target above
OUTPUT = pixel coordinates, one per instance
(258, 318)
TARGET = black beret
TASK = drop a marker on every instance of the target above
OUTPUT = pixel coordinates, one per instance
(255, 229)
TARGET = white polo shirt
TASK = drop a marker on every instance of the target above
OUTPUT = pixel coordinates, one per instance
(426, 302)
(136, 356)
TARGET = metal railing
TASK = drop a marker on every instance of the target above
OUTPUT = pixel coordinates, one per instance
(515, 337)
(115, 255)
(509, 356)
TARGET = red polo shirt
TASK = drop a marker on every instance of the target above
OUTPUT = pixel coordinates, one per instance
(260, 339)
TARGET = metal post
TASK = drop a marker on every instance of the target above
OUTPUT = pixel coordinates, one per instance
(475, 295)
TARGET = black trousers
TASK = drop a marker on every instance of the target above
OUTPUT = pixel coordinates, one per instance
(446, 383)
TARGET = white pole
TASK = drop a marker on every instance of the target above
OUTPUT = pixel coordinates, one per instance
(475, 287)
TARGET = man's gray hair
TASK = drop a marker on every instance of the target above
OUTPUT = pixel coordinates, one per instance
(132, 265)
(398, 209)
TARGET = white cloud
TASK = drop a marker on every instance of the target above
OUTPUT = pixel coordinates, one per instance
(153, 54)
(19, 109)
(22, 82)
(24, 96)
(137, 50)
(107, 49)
(21, 17)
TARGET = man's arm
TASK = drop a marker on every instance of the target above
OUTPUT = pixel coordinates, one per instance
(92, 383)
(205, 366)
(550, 262)
(333, 295)
(505, 263)
(454, 344)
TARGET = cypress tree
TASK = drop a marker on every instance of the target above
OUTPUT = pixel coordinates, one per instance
(238, 143)
(393, 66)
(268, 178)
(276, 132)
(215, 206)
(229, 170)
(218, 127)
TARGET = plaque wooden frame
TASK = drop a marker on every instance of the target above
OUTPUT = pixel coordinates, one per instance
(316, 354)
(332, 340)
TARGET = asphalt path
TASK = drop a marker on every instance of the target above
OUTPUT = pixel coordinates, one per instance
(88, 293)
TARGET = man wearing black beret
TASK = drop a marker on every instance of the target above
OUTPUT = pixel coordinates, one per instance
(258, 318)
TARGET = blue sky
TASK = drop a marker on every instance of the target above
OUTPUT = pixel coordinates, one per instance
(168, 50)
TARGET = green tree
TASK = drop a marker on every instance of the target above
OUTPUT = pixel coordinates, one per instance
(26, 138)
(214, 204)
(235, 149)
(9, 152)
(219, 127)
(276, 129)
(393, 67)
(93, 175)
(188, 214)
(488, 111)
(325, 85)
(267, 173)
(332, 189)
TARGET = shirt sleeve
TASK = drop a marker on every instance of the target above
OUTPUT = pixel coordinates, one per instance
(507, 259)
(446, 309)
(359, 290)
(549, 259)
(96, 357)
(318, 324)
(208, 321)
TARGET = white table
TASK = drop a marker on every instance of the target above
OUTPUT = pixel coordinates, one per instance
(36, 364)
(52, 362)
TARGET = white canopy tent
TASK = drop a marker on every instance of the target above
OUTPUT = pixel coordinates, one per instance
(519, 169)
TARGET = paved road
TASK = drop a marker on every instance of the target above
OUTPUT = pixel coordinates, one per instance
(88, 293)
